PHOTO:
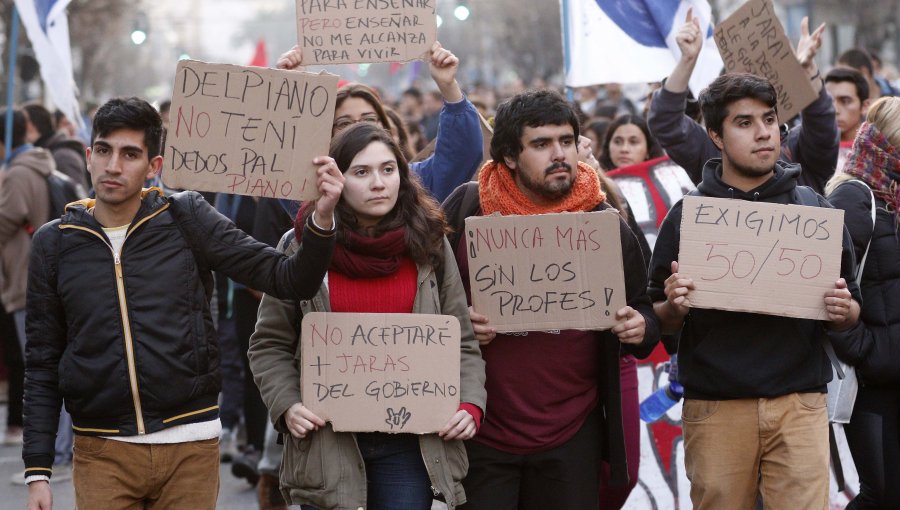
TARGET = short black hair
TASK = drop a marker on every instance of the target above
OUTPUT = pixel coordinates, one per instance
(164, 106)
(532, 108)
(413, 92)
(19, 126)
(40, 118)
(843, 74)
(130, 113)
(858, 59)
(731, 87)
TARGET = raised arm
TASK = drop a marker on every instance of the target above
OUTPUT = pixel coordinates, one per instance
(458, 151)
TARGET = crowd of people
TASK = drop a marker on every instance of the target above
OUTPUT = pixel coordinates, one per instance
(152, 334)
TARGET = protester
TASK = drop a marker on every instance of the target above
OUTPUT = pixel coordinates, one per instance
(859, 60)
(874, 432)
(119, 327)
(850, 94)
(596, 131)
(457, 154)
(628, 142)
(24, 207)
(392, 257)
(555, 396)
(754, 417)
(814, 144)
(68, 153)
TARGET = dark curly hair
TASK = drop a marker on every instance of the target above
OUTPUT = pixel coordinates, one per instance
(532, 108)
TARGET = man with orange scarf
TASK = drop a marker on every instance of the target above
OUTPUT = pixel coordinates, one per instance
(555, 409)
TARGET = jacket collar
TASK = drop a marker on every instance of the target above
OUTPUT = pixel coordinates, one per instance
(152, 199)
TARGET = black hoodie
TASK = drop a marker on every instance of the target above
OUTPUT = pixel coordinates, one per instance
(727, 355)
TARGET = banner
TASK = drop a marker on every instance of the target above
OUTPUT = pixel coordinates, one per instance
(48, 30)
(633, 41)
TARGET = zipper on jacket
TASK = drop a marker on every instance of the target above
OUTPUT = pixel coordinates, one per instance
(123, 311)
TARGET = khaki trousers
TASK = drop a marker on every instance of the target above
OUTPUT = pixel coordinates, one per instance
(774, 447)
(115, 475)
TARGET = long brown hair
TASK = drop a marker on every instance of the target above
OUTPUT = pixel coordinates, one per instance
(415, 208)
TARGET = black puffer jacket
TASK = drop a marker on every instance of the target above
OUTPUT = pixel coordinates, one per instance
(874, 344)
(128, 342)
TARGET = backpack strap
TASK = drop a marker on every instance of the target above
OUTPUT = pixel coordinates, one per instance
(467, 207)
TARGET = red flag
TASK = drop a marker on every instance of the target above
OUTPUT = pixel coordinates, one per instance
(260, 59)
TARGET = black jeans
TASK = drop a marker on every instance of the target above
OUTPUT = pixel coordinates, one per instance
(874, 438)
(563, 477)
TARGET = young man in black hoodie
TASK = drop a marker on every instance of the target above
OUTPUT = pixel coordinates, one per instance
(754, 412)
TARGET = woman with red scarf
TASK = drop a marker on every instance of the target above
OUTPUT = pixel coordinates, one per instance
(873, 346)
(391, 257)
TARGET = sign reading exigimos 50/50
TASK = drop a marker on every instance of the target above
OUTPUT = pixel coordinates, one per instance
(248, 130)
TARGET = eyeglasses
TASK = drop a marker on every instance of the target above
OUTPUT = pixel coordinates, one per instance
(345, 122)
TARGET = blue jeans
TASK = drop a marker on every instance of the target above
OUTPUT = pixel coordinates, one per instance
(395, 472)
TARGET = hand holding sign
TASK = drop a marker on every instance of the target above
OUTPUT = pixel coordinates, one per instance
(483, 333)
(631, 329)
(300, 421)
(677, 288)
(461, 426)
(291, 59)
(330, 183)
(842, 313)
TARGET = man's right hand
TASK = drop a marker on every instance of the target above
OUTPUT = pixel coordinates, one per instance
(483, 333)
(39, 496)
(300, 421)
(677, 288)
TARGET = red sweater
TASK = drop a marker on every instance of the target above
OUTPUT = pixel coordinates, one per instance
(541, 385)
(394, 293)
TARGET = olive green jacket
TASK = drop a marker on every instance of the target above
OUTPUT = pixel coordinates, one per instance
(326, 469)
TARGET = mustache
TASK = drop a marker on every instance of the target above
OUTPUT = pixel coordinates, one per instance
(556, 166)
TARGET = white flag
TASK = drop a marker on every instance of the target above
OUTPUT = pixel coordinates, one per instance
(633, 41)
(47, 27)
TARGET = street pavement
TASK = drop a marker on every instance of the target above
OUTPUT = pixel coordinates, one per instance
(234, 494)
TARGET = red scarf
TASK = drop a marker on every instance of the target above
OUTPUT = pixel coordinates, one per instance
(360, 256)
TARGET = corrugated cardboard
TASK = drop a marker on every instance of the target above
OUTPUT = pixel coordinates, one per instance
(546, 272)
(248, 130)
(760, 257)
(381, 372)
(752, 40)
(361, 31)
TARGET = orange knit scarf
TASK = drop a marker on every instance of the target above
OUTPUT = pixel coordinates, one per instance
(499, 192)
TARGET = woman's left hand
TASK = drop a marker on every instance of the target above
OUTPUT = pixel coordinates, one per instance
(461, 426)
(630, 329)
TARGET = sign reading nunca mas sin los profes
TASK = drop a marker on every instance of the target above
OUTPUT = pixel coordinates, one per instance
(381, 372)
(248, 130)
(548, 271)
(361, 31)
(760, 257)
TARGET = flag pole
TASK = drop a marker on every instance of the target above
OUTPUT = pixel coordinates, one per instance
(567, 46)
(11, 80)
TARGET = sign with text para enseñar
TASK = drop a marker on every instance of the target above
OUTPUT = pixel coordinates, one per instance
(546, 271)
(752, 40)
(380, 372)
(248, 130)
(364, 31)
(760, 257)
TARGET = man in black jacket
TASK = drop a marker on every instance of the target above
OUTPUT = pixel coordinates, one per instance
(754, 414)
(119, 328)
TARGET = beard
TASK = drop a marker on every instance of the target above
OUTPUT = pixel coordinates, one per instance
(549, 190)
(748, 171)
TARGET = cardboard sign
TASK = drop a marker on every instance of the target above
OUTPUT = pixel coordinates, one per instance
(361, 31)
(381, 372)
(546, 272)
(752, 40)
(248, 130)
(760, 257)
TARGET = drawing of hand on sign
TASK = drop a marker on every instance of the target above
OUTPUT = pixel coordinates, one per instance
(397, 418)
